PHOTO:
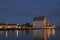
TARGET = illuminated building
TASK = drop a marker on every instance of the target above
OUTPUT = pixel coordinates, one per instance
(4, 25)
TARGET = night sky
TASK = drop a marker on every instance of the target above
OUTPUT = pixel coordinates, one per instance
(22, 11)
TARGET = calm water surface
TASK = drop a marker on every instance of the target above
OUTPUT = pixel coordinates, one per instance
(42, 34)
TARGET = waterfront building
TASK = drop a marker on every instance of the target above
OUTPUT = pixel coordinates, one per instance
(40, 22)
(4, 25)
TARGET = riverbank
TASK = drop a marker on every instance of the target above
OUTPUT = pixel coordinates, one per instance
(24, 28)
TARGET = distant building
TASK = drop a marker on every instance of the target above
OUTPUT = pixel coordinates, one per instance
(40, 22)
(4, 25)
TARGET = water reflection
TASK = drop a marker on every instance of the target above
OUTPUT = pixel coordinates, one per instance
(44, 34)
(48, 33)
(6, 33)
(17, 33)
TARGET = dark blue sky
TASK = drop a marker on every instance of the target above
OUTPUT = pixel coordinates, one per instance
(22, 11)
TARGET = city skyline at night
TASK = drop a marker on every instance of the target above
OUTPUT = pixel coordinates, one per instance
(22, 11)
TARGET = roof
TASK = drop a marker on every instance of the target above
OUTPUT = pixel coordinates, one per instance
(41, 18)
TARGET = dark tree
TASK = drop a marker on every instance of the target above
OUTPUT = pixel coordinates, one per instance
(27, 24)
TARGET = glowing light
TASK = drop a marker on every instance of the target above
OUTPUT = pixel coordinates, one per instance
(17, 33)
(8, 26)
(48, 32)
(53, 32)
(0, 26)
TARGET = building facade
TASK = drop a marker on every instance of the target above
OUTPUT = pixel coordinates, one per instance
(39, 22)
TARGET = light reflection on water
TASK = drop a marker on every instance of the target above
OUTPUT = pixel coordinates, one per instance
(47, 34)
